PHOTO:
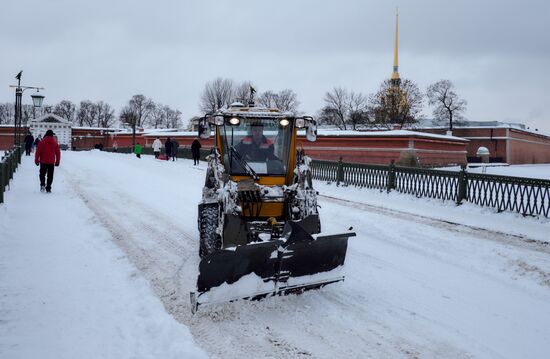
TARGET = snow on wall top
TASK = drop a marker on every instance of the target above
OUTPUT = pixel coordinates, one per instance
(170, 133)
(425, 124)
(53, 116)
(385, 133)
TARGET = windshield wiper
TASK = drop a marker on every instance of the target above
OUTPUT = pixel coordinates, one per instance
(244, 164)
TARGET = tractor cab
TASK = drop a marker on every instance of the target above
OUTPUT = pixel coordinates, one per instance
(256, 142)
(256, 146)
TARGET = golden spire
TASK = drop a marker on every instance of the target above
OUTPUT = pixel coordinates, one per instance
(395, 74)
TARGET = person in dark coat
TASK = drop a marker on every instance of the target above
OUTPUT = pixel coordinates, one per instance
(168, 147)
(175, 146)
(196, 151)
(47, 156)
(29, 140)
(37, 141)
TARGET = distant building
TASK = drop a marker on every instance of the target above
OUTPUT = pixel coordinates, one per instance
(60, 126)
(511, 143)
(194, 124)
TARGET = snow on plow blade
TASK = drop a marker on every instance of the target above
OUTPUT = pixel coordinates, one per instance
(278, 267)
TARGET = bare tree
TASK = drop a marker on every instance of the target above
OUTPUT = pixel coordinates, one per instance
(173, 118)
(267, 99)
(86, 113)
(105, 115)
(127, 116)
(287, 100)
(448, 106)
(335, 109)
(142, 106)
(158, 117)
(396, 104)
(165, 117)
(65, 109)
(357, 110)
(7, 113)
(216, 95)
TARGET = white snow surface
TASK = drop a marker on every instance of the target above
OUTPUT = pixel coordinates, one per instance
(103, 267)
(540, 171)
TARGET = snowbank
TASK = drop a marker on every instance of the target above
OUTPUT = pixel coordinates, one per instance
(67, 291)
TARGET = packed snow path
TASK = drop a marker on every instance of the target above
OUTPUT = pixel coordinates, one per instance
(416, 285)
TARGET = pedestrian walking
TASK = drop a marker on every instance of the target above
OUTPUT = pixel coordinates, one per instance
(157, 145)
(29, 140)
(137, 150)
(37, 141)
(175, 146)
(168, 148)
(47, 156)
(115, 146)
(196, 151)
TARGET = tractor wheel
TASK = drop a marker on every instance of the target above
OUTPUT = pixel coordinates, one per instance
(210, 240)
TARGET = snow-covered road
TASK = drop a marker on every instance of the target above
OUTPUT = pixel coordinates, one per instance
(423, 278)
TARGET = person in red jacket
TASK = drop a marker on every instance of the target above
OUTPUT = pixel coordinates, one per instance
(47, 155)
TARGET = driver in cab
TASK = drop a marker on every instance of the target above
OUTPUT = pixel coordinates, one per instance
(256, 147)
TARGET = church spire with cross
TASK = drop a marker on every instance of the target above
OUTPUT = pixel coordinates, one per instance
(395, 74)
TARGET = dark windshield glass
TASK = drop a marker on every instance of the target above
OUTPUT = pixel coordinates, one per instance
(260, 144)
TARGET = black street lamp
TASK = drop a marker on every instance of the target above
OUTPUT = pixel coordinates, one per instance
(37, 99)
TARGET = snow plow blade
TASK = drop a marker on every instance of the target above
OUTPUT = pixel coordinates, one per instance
(279, 267)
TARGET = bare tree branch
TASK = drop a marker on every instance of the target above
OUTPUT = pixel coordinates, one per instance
(287, 100)
(335, 109)
(65, 109)
(447, 105)
(7, 113)
(357, 109)
(216, 94)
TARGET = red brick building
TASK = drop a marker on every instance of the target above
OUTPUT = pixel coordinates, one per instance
(381, 147)
(507, 143)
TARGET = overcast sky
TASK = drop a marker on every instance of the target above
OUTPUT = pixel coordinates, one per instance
(495, 52)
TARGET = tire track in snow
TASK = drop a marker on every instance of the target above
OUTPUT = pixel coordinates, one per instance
(478, 232)
(158, 256)
(295, 326)
(520, 267)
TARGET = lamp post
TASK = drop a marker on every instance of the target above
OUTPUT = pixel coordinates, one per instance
(37, 99)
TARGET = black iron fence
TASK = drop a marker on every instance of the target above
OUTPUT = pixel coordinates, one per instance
(523, 195)
(182, 152)
(527, 196)
(9, 162)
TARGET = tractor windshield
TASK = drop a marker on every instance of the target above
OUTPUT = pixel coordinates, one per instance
(256, 146)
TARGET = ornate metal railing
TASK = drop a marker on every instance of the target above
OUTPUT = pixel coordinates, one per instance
(370, 176)
(8, 164)
(522, 195)
(325, 170)
(427, 183)
(184, 152)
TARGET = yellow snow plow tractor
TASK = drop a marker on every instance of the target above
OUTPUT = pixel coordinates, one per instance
(258, 220)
